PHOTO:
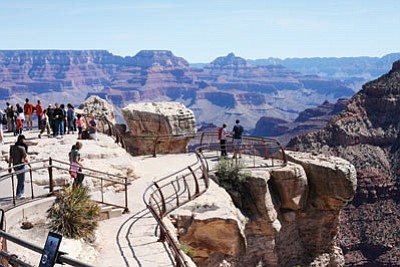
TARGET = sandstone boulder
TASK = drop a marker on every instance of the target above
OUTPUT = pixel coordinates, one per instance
(99, 108)
(159, 127)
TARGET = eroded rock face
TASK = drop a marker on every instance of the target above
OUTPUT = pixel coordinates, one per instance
(367, 133)
(168, 125)
(292, 216)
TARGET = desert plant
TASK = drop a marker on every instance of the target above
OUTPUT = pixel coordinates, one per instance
(231, 171)
(73, 214)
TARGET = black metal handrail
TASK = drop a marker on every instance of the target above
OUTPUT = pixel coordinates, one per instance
(62, 258)
(165, 195)
(113, 131)
(50, 164)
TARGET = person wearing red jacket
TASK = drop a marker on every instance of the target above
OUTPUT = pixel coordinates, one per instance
(39, 113)
(28, 112)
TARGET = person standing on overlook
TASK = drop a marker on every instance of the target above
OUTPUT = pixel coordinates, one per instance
(58, 115)
(18, 158)
(39, 112)
(92, 127)
(237, 139)
(28, 112)
(222, 133)
(76, 166)
(10, 115)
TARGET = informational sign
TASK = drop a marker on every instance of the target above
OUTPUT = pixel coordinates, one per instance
(50, 251)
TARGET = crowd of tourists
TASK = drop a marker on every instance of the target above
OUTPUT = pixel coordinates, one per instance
(56, 121)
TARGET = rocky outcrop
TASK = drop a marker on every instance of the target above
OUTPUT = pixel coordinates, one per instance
(282, 217)
(99, 108)
(309, 120)
(367, 134)
(159, 127)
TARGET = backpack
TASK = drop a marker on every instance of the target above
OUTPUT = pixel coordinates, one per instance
(219, 133)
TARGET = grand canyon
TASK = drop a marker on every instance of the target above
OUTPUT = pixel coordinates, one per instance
(227, 88)
(272, 97)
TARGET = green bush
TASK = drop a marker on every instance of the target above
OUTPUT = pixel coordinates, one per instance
(187, 249)
(73, 214)
(231, 171)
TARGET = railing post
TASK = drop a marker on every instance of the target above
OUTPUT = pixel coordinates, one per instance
(30, 174)
(13, 188)
(126, 195)
(197, 190)
(101, 190)
(50, 169)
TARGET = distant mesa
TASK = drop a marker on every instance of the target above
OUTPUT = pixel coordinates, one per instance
(224, 90)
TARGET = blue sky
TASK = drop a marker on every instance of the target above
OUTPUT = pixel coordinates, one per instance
(202, 30)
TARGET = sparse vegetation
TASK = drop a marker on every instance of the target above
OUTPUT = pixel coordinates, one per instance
(74, 214)
(187, 249)
(231, 171)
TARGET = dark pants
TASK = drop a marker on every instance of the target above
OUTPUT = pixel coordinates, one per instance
(21, 180)
(79, 178)
(223, 147)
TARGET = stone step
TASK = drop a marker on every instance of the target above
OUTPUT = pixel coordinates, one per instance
(108, 212)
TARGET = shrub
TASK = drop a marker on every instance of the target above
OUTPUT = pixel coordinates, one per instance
(231, 171)
(73, 214)
(187, 249)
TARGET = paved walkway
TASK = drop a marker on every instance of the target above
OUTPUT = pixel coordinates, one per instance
(130, 240)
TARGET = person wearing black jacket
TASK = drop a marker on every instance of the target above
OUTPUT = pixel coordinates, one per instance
(58, 116)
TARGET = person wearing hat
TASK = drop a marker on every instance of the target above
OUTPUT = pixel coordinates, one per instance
(18, 158)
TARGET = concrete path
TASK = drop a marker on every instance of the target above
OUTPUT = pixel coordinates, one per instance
(130, 240)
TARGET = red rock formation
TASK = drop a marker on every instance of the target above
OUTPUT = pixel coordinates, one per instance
(367, 134)
(224, 90)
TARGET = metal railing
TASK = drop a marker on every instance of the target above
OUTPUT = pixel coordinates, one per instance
(55, 167)
(171, 192)
(7, 258)
(112, 130)
(251, 146)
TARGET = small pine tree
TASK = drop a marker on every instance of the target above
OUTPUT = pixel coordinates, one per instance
(73, 214)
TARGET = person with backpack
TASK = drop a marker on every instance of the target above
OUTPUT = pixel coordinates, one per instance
(237, 139)
(222, 133)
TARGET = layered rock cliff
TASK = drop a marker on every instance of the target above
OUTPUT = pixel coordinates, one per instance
(309, 120)
(367, 134)
(279, 217)
(226, 89)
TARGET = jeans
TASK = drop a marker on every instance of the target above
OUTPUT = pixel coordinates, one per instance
(21, 180)
(59, 127)
(39, 122)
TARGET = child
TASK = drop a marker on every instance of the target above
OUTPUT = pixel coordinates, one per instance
(81, 124)
(18, 126)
